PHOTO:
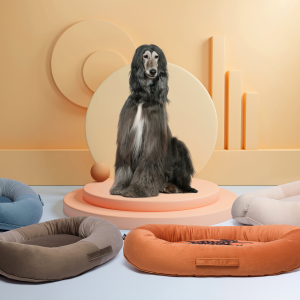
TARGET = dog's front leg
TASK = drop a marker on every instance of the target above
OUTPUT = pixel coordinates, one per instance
(146, 181)
(122, 180)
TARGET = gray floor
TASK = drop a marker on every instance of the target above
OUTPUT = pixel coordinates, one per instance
(119, 280)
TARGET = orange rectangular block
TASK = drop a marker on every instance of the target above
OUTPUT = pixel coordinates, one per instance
(234, 110)
(218, 84)
(250, 121)
(252, 167)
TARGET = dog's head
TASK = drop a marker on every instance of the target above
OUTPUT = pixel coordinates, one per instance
(151, 59)
(148, 63)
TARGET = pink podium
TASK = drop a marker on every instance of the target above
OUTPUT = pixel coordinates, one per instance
(211, 205)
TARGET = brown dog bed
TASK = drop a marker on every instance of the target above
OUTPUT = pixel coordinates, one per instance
(58, 249)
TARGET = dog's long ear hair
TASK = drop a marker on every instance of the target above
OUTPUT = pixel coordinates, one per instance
(138, 79)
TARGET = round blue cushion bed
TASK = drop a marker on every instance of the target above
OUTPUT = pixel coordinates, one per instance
(19, 205)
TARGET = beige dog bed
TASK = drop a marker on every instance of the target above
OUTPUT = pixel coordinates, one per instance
(58, 249)
(275, 205)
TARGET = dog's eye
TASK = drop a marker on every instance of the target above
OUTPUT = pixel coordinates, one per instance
(145, 56)
(156, 56)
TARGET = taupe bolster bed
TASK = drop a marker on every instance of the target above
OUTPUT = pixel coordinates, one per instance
(274, 205)
(58, 249)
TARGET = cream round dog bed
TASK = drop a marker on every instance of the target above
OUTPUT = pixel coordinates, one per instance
(58, 249)
(275, 205)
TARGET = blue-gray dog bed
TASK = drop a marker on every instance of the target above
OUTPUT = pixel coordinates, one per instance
(19, 205)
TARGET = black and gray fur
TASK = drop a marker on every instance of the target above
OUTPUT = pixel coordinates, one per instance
(148, 159)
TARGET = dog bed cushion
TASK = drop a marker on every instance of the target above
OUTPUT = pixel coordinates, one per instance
(275, 205)
(179, 250)
(19, 205)
(58, 249)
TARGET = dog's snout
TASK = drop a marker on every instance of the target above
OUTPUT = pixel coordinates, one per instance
(152, 72)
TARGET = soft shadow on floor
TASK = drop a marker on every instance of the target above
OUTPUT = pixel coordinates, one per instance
(46, 191)
(132, 268)
(235, 223)
(58, 209)
(294, 271)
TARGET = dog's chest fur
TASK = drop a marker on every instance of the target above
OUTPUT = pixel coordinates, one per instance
(137, 130)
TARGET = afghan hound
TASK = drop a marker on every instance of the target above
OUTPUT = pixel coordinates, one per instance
(148, 159)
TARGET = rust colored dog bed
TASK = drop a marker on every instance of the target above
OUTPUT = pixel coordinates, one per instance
(58, 249)
(179, 250)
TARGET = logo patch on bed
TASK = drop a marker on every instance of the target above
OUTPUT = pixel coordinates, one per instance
(220, 242)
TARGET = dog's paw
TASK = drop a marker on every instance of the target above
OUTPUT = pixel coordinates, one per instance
(134, 192)
(171, 189)
(191, 190)
(116, 191)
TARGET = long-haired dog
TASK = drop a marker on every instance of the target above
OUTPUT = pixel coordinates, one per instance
(148, 159)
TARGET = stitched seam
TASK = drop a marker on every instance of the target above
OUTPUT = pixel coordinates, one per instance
(20, 278)
(17, 226)
(255, 221)
(17, 238)
(39, 280)
(249, 219)
(84, 224)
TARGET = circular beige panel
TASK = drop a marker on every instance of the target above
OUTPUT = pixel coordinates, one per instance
(100, 65)
(75, 45)
(192, 115)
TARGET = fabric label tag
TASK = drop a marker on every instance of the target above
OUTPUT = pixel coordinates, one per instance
(99, 253)
(219, 262)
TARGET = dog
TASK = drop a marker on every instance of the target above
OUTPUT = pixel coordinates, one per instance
(149, 160)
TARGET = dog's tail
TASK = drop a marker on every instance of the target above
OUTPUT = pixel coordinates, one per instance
(183, 169)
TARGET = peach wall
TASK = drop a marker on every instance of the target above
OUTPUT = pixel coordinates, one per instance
(262, 40)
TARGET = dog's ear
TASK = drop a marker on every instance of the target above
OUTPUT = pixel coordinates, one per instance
(137, 80)
(161, 84)
(162, 61)
(161, 88)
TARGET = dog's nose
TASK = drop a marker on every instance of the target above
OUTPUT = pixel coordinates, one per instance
(152, 72)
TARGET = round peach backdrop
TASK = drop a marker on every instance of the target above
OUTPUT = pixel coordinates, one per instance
(192, 115)
(85, 54)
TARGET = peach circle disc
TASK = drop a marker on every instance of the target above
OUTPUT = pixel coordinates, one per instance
(192, 115)
(97, 193)
(73, 48)
(100, 65)
(218, 212)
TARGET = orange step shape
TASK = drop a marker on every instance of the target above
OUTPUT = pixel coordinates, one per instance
(97, 194)
(217, 212)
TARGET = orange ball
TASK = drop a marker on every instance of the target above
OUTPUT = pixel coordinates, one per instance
(100, 171)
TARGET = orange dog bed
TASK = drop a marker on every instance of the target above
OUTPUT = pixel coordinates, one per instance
(179, 250)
